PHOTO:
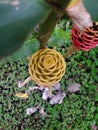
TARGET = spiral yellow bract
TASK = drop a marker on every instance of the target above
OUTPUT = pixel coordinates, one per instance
(46, 67)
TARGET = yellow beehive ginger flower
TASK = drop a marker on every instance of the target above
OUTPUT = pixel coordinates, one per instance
(22, 95)
(46, 67)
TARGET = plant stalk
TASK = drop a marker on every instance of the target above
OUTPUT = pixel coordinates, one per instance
(72, 49)
(47, 26)
(25, 82)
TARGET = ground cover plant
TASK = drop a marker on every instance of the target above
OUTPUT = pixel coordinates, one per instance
(79, 110)
(73, 102)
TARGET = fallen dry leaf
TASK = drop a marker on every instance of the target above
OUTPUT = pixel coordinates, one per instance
(72, 88)
(58, 98)
(46, 95)
(22, 95)
(56, 86)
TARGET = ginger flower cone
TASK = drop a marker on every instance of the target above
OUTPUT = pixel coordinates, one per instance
(85, 40)
(47, 67)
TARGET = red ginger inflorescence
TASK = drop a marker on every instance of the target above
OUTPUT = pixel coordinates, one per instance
(85, 40)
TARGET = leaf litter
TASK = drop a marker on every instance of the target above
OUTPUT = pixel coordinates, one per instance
(56, 97)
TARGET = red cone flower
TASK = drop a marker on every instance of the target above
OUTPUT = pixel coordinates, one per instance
(85, 40)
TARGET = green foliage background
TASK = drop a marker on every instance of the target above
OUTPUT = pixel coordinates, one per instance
(78, 111)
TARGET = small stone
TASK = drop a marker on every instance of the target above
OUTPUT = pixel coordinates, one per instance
(45, 94)
(42, 112)
(72, 88)
(19, 83)
(94, 127)
(31, 110)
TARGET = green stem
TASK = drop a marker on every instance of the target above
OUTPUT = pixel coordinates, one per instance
(47, 26)
(25, 82)
(72, 49)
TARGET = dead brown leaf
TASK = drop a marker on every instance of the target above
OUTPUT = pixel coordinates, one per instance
(22, 95)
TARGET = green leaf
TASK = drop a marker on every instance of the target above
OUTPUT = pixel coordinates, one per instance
(92, 7)
(58, 37)
(17, 19)
(29, 47)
